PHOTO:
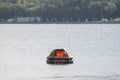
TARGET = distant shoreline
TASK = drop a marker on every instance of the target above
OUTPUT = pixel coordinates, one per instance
(63, 22)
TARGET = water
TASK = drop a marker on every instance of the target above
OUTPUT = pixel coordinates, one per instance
(95, 48)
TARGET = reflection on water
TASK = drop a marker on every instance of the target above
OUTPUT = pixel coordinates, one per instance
(24, 48)
(114, 77)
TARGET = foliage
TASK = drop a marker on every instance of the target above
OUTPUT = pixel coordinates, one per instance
(117, 19)
(90, 9)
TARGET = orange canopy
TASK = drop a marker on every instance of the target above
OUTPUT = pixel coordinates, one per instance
(59, 53)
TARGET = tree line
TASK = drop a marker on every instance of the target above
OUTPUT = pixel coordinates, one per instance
(60, 9)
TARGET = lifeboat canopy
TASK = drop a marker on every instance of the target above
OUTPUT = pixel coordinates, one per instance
(59, 56)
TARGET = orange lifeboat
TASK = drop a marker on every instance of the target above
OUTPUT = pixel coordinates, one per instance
(59, 56)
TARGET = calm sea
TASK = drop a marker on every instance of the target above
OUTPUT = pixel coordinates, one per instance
(94, 47)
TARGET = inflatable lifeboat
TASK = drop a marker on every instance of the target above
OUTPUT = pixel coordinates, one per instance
(59, 56)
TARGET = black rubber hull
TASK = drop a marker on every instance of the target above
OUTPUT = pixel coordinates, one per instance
(59, 61)
(59, 58)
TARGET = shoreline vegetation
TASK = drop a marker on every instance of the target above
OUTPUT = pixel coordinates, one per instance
(59, 11)
(63, 22)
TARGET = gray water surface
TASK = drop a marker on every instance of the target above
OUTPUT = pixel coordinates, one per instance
(95, 48)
